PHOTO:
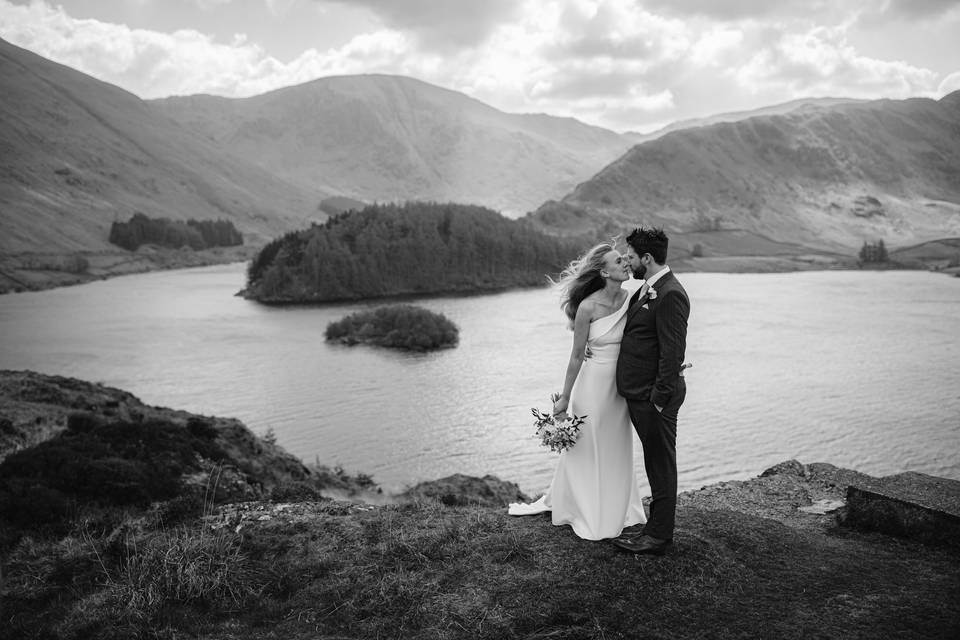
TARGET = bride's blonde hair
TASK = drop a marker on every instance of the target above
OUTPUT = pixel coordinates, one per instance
(582, 277)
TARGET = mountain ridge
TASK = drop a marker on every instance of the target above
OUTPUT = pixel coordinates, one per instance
(826, 178)
(812, 176)
(378, 137)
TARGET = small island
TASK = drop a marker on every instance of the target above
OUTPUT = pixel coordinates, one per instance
(401, 326)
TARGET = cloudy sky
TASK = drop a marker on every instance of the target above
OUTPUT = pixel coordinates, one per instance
(622, 64)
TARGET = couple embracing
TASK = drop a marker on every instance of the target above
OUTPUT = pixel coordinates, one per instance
(625, 374)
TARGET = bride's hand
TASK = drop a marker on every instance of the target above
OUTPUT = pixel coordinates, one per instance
(560, 406)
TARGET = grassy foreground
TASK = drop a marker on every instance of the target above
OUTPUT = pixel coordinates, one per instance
(426, 570)
(278, 558)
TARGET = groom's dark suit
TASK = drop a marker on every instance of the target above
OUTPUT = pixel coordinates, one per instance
(648, 373)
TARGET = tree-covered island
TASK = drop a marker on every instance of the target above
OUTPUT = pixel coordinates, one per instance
(402, 326)
(415, 248)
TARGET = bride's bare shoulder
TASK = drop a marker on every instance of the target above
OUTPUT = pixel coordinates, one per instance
(588, 306)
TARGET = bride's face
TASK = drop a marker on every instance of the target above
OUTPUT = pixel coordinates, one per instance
(616, 266)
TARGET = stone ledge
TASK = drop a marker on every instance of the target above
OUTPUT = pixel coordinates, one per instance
(910, 505)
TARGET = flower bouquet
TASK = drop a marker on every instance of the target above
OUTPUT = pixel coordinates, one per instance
(557, 433)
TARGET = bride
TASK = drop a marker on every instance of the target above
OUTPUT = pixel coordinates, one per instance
(594, 488)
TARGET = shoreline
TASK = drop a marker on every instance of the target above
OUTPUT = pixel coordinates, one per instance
(35, 407)
(39, 271)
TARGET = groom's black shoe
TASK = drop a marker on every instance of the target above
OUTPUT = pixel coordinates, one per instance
(633, 531)
(644, 544)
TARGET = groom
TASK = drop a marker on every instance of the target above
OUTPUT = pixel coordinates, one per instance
(649, 377)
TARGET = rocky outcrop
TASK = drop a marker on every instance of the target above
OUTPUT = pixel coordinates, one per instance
(821, 496)
(460, 490)
(35, 407)
(910, 505)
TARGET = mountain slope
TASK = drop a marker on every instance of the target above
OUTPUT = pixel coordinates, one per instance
(824, 178)
(736, 116)
(77, 153)
(390, 138)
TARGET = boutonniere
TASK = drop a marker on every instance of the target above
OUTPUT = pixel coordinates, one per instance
(652, 293)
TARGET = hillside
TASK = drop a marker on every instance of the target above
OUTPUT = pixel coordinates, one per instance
(380, 138)
(736, 116)
(820, 179)
(77, 154)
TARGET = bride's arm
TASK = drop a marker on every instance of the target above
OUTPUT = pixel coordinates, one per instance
(581, 329)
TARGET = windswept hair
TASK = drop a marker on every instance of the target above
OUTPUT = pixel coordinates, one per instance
(582, 277)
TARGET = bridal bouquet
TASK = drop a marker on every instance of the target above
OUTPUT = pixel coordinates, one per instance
(559, 434)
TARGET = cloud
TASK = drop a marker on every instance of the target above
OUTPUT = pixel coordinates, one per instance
(738, 9)
(920, 8)
(949, 84)
(820, 63)
(609, 62)
(440, 25)
(601, 61)
(715, 45)
(210, 5)
(146, 62)
(153, 64)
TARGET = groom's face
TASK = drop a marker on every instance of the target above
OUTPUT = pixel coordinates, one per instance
(636, 264)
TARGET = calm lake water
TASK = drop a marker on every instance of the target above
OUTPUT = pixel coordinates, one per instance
(860, 370)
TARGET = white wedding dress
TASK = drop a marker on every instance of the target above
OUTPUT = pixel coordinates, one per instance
(594, 488)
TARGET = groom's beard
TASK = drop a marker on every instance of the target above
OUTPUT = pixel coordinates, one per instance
(640, 272)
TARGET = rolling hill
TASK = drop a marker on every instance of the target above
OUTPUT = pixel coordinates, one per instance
(77, 154)
(390, 138)
(820, 178)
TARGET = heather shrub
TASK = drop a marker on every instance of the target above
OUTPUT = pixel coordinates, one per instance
(103, 465)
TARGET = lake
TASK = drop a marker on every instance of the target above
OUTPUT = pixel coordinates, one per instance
(858, 369)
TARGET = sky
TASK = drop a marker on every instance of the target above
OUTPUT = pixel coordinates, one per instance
(620, 64)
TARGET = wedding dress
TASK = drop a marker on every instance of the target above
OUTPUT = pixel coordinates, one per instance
(594, 487)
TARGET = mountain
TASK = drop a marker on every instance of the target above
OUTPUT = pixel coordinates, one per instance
(77, 154)
(823, 178)
(736, 116)
(389, 138)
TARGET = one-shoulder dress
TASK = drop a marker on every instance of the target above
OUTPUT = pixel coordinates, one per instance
(594, 487)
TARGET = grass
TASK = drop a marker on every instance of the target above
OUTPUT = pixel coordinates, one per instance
(428, 570)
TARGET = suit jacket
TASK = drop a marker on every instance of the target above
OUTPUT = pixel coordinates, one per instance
(654, 343)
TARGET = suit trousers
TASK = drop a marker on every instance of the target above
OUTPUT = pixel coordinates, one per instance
(658, 435)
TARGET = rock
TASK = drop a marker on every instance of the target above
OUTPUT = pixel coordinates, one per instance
(867, 207)
(462, 490)
(910, 505)
(789, 467)
(823, 507)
